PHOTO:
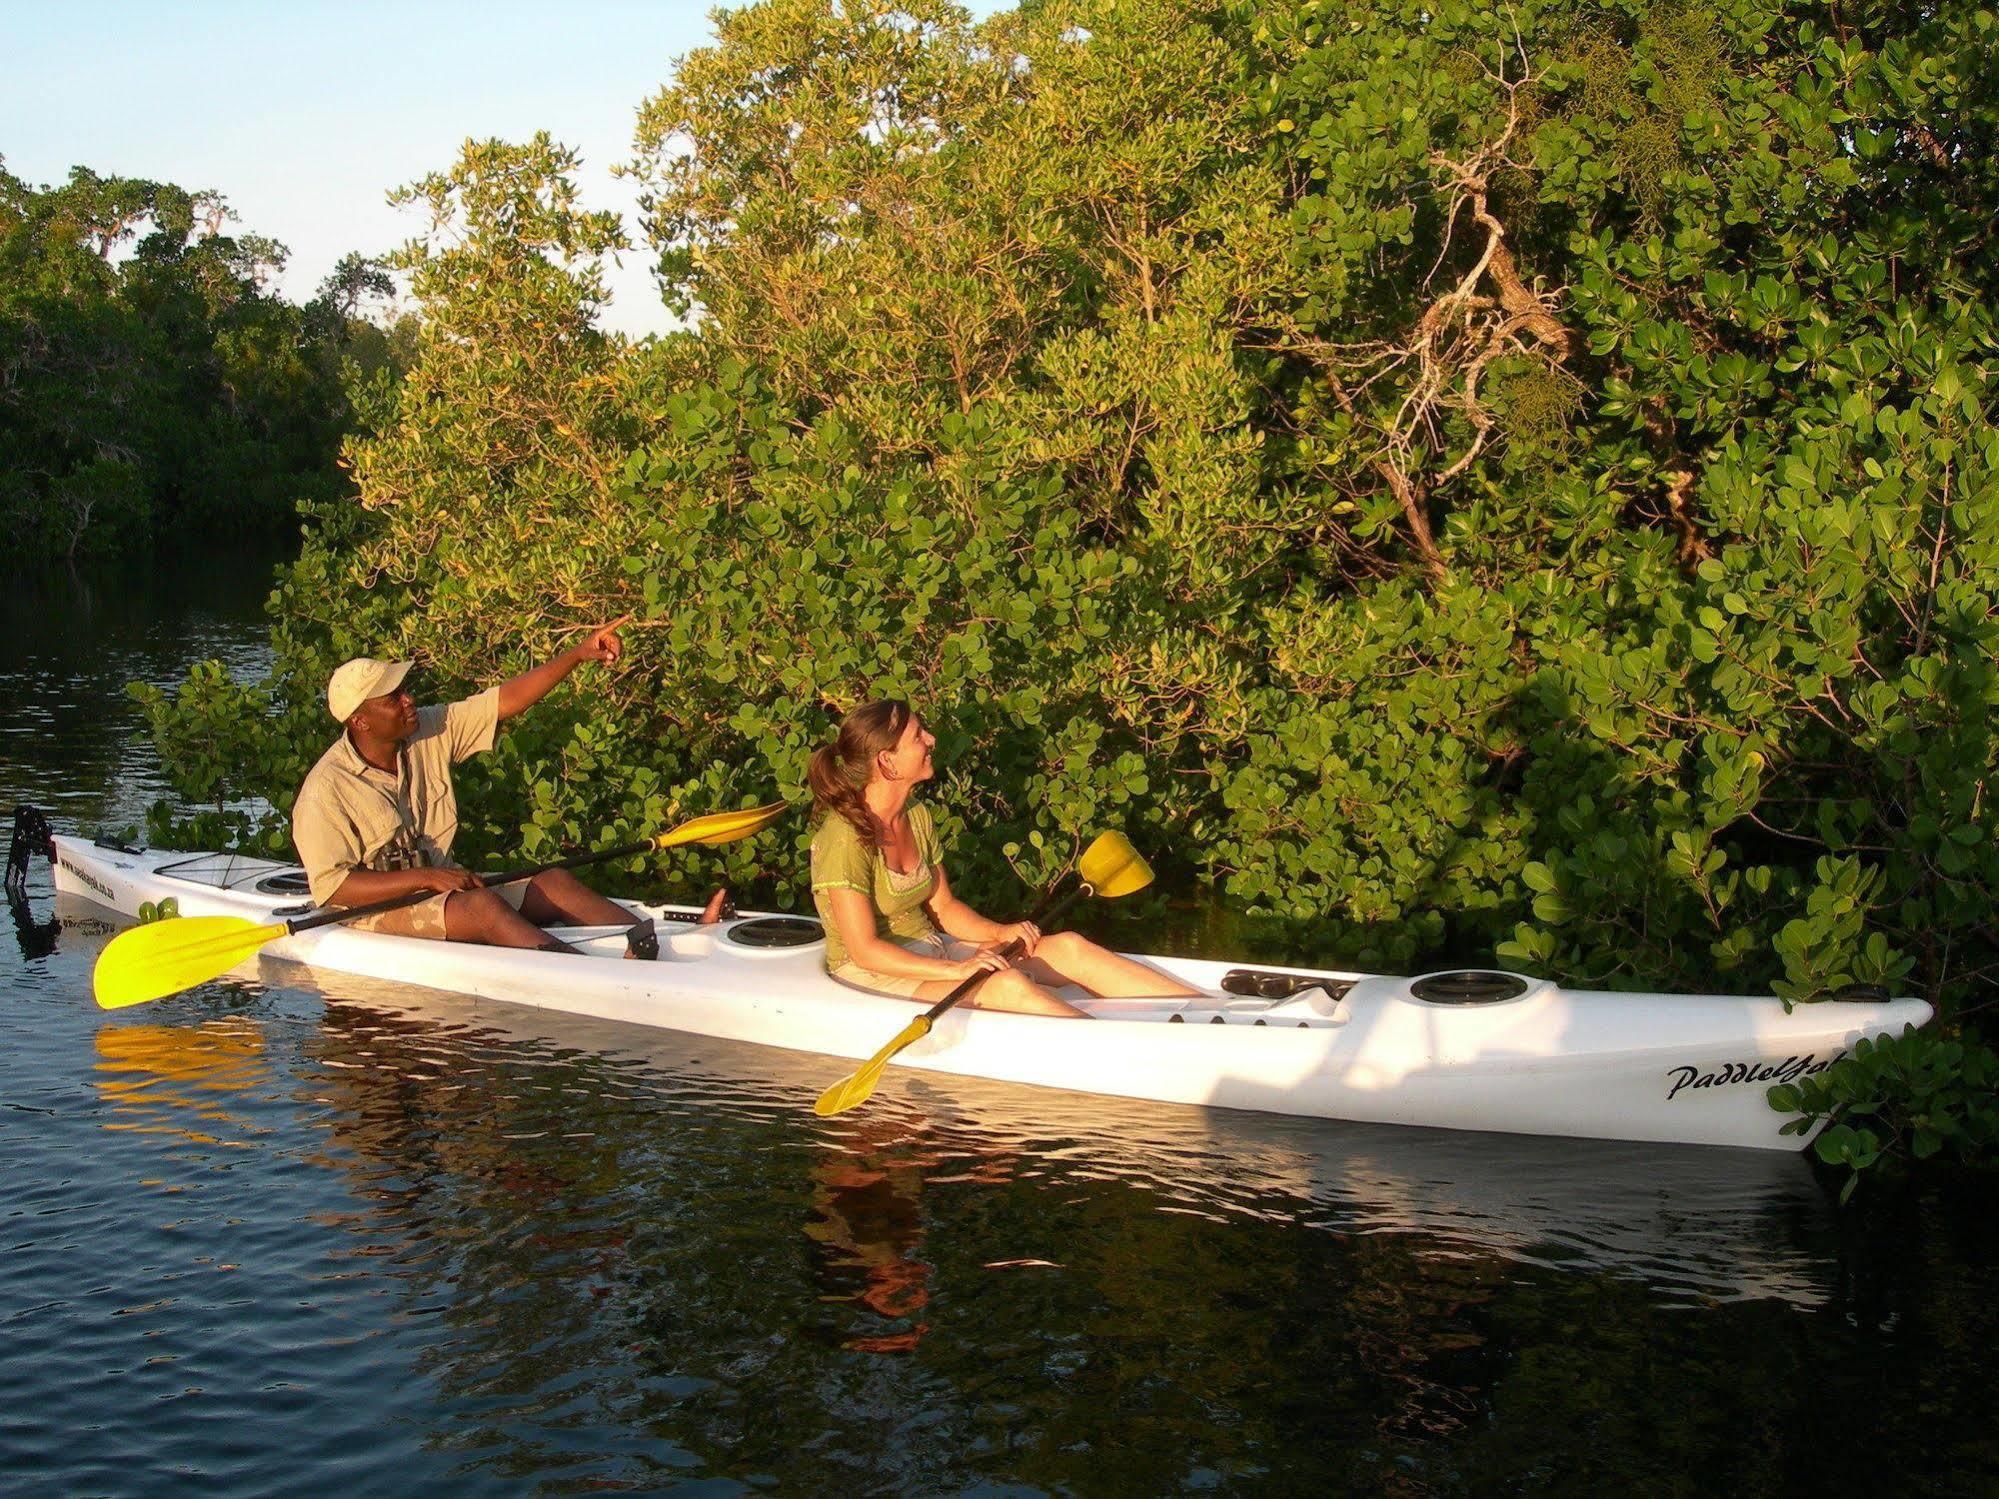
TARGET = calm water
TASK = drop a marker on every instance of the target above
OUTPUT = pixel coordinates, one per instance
(325, 1233)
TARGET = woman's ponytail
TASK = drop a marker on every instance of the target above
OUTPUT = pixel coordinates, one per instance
(838, 773)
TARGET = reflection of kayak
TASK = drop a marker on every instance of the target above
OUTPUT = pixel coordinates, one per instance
(1695, 1226)
(1483, 1051)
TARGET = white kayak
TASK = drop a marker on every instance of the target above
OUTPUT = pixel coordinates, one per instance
(1479, 1050)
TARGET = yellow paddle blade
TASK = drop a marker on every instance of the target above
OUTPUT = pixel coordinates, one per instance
(722, 827)
(1112, 867)
(165, 957)
(858, 1087)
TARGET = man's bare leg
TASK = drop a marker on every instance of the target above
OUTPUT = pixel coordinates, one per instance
(484, 916)
(557, 898)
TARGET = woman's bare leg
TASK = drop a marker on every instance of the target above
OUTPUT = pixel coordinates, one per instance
(1068, 958)
(1008, 989)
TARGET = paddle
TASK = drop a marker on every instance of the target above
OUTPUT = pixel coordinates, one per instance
(1110, 867)
(165, 957)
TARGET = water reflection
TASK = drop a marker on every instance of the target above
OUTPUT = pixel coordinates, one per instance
(177, 1079)
(73, 641)
(867, 1225)
(79, 927)
(1694, 1226)
(37, 938)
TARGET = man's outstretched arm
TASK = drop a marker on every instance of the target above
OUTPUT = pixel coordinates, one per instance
(530, 687)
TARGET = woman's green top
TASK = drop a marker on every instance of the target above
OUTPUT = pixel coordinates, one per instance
(843, 860)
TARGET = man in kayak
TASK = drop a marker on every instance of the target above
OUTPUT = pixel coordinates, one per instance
(376, 816)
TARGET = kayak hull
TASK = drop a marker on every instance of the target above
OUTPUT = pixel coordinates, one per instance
(1680, 1069)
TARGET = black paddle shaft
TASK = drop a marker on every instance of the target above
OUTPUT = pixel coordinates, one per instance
(510, 877)
(1048, 911)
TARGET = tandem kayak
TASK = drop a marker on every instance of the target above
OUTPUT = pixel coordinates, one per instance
(1470, 1050)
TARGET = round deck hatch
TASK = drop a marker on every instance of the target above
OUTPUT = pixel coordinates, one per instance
(775, 931)
(1469, 986)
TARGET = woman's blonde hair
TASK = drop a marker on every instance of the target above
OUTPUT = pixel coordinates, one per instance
(840, 771)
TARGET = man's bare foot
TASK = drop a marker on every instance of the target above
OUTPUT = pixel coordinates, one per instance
(716, 909)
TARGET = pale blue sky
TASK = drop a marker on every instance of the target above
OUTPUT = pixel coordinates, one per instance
(304, 113)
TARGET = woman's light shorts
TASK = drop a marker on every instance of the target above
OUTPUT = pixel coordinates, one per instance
(936, 945)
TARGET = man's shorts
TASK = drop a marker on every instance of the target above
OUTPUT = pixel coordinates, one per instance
(426, 917)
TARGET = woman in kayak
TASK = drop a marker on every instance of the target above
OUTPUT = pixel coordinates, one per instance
(892, 924)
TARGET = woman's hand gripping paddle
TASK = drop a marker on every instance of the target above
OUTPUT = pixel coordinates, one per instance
(165, 957)
(1110, 867)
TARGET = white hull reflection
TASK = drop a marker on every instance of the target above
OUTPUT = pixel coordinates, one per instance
(1695, 1226)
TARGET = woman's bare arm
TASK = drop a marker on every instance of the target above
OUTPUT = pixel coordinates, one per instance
(854, 919)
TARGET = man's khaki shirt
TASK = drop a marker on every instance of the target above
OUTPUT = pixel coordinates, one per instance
(350, 816)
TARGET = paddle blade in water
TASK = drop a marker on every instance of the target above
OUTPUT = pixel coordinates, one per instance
(1112, 867)
(723, 827)
(856, 1088)
(165, 957)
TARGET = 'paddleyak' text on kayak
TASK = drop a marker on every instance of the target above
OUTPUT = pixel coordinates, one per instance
(1787, 1071)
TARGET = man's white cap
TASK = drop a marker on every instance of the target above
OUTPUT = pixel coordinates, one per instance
(360, 679)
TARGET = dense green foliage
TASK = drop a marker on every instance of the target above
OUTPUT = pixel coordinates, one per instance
(1461, 480)
(1911, 1095)
(151, 389)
